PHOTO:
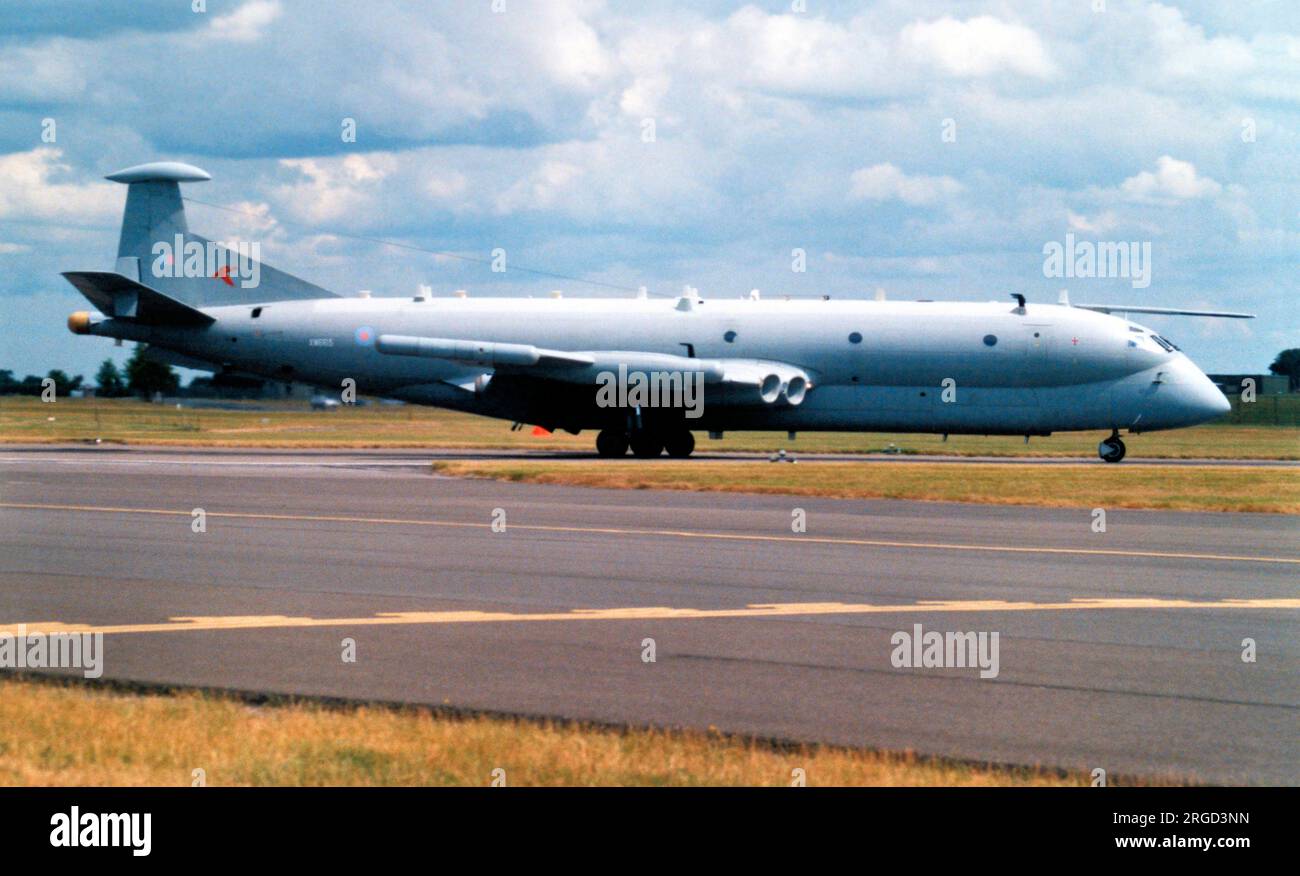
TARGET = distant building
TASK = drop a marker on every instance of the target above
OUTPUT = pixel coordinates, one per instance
(1265, 384)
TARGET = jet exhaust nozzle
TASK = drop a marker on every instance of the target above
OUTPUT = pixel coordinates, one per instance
(769, 382)
(795, 390)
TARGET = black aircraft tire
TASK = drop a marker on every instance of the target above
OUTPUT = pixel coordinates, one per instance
(611, 444)
(680, 444)
(646, 445)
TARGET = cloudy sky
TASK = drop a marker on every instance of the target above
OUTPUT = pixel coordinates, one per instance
(928, 149)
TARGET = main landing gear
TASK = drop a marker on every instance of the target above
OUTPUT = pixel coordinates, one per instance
(611, 443)
(645, 443)
(1112, 449)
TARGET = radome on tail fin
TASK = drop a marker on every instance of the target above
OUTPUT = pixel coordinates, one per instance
(157, 249)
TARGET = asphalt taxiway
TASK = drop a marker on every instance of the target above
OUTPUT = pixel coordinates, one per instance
(1119, 650)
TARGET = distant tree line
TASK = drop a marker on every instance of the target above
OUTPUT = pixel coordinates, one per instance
(34, 384)
(140, 377)
(1287, 364)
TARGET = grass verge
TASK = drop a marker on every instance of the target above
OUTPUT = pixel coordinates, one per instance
(290, 425)
(66, 732)
(1211, 488)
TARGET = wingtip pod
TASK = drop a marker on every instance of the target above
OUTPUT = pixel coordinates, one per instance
(160, 171)
(79, 322)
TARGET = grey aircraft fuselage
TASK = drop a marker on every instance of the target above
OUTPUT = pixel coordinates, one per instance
(939, 367)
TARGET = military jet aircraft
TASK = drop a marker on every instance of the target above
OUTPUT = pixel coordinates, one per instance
(644, 372)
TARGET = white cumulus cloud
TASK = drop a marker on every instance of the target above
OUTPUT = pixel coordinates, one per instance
(31, 192)
(886, 182)
(333, 188)
(979, 46)
(246, 24)
(1172, 180)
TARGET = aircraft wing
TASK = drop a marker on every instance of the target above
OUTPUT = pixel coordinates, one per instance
(1170, 311)
(766, 381)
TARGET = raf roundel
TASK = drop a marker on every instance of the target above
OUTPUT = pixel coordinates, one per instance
(365, 336)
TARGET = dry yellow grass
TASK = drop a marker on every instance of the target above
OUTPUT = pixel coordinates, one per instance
(73, 734)
(1273, 489)
(131, 422)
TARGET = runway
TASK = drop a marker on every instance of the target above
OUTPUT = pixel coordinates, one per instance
(1119, 650)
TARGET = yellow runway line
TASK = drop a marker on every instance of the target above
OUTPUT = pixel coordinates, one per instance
(794, 609)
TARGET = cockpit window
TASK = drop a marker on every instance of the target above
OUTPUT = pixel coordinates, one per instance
(1167, 345)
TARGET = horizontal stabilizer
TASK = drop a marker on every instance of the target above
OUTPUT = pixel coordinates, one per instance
(123, 298)
(1168, 311)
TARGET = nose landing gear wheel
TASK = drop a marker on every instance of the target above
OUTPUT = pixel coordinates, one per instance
(646, 445)
(1112, 449)
(611, 444)
(679, 444)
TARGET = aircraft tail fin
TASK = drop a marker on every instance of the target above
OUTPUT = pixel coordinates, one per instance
(156, 247)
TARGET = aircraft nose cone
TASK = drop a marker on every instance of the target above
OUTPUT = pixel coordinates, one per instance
(1203, 399)
(1221, 404)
